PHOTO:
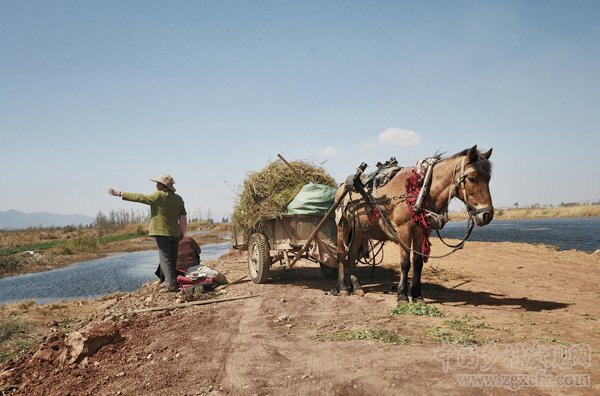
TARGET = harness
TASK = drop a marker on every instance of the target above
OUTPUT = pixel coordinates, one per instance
(432, 220)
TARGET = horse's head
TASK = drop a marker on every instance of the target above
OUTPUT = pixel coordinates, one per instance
(472, 186)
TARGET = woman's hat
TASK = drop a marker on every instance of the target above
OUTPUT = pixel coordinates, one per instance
(166, 180)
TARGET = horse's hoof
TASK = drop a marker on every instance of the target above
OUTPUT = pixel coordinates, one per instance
(418, 300)
(402, 300)
(359, 292)
(343, 293)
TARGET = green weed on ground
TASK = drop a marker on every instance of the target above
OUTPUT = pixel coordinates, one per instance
(32, 247)
(439, 334)
(419, 309)
(121, 237)
(14, 340)
(460, 331)
(467, 324)
(8, 329)
(70, 246)
(379, 335)
(75, 245)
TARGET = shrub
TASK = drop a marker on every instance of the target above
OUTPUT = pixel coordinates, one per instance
(10, 263)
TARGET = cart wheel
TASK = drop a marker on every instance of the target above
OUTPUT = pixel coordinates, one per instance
(259, 259)
(328, 271)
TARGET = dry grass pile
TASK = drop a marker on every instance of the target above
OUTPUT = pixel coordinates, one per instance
(266, 193)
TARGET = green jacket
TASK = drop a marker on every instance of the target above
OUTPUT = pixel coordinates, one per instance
(165, 209)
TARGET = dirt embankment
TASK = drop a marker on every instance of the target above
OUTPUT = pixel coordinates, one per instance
(517, 309)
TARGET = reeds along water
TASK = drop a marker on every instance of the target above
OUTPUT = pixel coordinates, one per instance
(540, 213)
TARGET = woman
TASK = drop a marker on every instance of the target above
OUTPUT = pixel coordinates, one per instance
(168, 222)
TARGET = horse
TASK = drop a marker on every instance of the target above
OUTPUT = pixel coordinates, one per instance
(389, 214)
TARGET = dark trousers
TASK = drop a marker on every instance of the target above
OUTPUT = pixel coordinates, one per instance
(168, 248)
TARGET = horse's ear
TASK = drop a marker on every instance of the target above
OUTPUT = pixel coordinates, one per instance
(487, 154)
(473, 154)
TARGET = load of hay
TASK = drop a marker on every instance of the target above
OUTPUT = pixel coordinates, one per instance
(266, 193)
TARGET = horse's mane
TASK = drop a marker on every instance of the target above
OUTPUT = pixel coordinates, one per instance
(482, 165)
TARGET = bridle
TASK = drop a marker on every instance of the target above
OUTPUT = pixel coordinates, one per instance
(462, 184)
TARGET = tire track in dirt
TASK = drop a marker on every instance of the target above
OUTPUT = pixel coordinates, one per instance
(248, 350)
(316, 368)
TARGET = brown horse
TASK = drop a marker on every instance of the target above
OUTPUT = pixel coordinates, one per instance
(465, 175)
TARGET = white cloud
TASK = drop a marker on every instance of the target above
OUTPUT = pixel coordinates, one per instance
(399, 137)
(328, 151)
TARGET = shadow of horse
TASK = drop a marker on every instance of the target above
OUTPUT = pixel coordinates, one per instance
(312, 278)
(441, 294)
(309, 277)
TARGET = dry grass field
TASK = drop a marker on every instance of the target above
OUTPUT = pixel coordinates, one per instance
(539, 213)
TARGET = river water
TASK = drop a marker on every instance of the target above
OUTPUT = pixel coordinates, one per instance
(124, 272)
(580, 234)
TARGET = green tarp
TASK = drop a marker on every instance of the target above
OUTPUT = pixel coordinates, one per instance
(312, 199)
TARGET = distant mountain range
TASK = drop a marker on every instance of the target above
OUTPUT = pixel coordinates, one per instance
(13, 219)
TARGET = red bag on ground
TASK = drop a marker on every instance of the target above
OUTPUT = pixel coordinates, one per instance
(183, 281)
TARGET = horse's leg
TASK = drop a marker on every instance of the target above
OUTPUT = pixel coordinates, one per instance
(341, 257)
(352, 259)
(404, 268)
(415, 287)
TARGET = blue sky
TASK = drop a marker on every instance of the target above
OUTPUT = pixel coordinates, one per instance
(111, 93)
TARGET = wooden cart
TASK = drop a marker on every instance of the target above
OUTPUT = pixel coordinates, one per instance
(287, 239)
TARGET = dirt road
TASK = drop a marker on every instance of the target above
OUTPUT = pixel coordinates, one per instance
(507, 309)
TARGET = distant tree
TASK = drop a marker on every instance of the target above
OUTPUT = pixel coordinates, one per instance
(197, 216)
(101, 220)
(516, 204)
(567, 204)
(116, 219)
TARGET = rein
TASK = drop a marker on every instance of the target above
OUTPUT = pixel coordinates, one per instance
(440, 219)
